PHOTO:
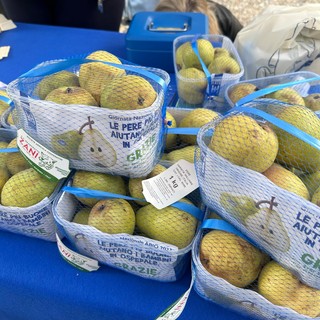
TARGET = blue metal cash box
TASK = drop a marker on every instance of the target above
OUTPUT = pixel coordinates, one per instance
(149, 39)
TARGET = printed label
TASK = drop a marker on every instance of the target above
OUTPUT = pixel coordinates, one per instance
(172, 185)
(77, 260)
(41, 159)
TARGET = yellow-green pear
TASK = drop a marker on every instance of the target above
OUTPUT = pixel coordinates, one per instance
(82, 216)
(135, 184)
(196, 119)
(206, 52)
(316, 197)
(71, 95)
(312, 101)
(93, 76)
(288, 95)
(241, 90)
(186, 153)
(112, 216)
(3, 155)
(191, 85)
(171, 139)
(15, 161)
(60, 79)
(292, 150)
(312, 181)
(26, 188)
(230, 257)
(287, 180)
(169, 225)
(283, 288)
(178, 55)
(4, 176)
(128, 92)
(224, 64)
(98, 181)
(4, 107)
(245, 142)
(220, 51)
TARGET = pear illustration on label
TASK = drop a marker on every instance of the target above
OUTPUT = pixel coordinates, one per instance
(267, 224)
(240, 207)
(95, 148)
(67, 144)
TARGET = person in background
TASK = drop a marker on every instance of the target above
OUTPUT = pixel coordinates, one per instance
(221, 19)
(91, 14)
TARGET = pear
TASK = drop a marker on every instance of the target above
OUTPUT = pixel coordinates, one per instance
(95, 148)
(4, 107)
(206, 52)
(245, 142)
(171, 139)
(191, 85)
(4, 176)
(230, 257)
(312, 181)
(266, 223)
(67, 144)
(82, 216)
(239, 207)
(26, 188)
(281, 287)
(135, 184)
(241, 90)
(287, 180)
(288, 95)
(15, 161)
(94, 76)
(71, 95)
(196, 118)
(221, 51)
(3, 155)
(60, 79)
(98, 181)
(112, 216)
(178, 55)
(292, 150)
(186, 153)
(312, 101)
(224, 64)
(316, 197)
(169, 225)
(129, 92)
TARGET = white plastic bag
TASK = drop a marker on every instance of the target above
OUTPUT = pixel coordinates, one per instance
(280, 40)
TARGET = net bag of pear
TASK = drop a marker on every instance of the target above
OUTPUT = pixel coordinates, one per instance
(258, 166)
(101, 116)
(26, 196)
(119, 233)
(231, 271)
(205, 65)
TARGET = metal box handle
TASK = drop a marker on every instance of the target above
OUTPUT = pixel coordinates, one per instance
(167, 29)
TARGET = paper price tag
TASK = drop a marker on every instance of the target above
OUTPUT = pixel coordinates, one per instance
(77, 260)
(171, 185)
(43, 160)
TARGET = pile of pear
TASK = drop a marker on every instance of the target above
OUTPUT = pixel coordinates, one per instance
(241, 264)
(98, 84)
(20, 185)
(183, 146)
(288, 95)
(191, 79)
(287, 161)
(134, 217)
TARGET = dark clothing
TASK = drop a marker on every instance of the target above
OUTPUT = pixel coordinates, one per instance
(70, 13)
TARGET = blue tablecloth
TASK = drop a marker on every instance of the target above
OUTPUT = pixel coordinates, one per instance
(35, 282)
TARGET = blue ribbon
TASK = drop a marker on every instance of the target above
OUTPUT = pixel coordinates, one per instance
(6, 100)
(65, 64)
(98, 194)
(189, 131)
(9, 150)
(194, 46)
